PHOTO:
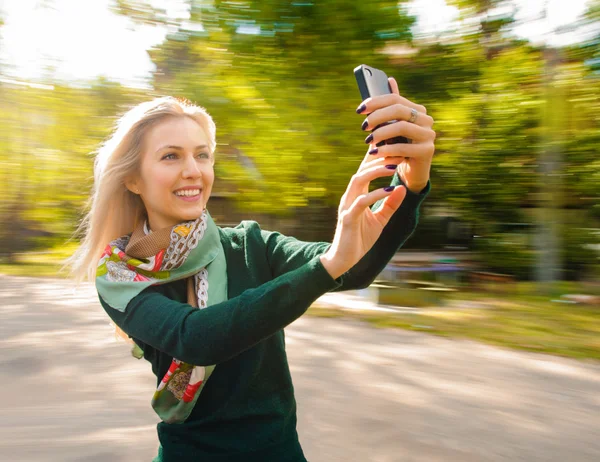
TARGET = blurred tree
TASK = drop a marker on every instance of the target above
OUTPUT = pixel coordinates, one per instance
(495, 111)
(277, 77)
(47, 137)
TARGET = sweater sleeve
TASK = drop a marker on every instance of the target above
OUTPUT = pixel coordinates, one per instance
(224, 330)
(286, 253)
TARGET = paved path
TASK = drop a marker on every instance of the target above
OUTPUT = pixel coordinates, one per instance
(70, 393)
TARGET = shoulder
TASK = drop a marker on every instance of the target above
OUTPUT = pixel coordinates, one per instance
(246, 231)
(246, 253)
(243, 227)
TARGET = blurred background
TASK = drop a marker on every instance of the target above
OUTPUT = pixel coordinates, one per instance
(513, 86)
(507, 251)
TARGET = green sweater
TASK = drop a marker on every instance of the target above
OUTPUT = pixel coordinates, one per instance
(247, 410)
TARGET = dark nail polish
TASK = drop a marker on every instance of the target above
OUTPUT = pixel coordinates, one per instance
(365, 124)
(389, 188)
(391, 166)
(369, 138)
(373, 151)
(361, 108)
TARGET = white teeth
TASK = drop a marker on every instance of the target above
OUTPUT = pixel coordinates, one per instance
(188, 192)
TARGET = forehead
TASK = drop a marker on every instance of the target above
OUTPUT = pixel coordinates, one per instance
(177, 131)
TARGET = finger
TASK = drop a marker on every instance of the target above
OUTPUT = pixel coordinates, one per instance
(377, 102)
(392, 200)
(381, 160)
(401, 128)
(394, 85)
(409, 103)
(419, 107)
(393, 113)
(374, 157)
(363, 177)
(360, 181)
(390, 205)
(396, 152)
(372, 160)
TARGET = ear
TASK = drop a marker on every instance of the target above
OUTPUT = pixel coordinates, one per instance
(132, 185)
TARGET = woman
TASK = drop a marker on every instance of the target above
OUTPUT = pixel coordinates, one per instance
(206, 306)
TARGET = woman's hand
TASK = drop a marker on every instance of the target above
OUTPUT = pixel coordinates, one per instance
(414, 159)
(358, 227)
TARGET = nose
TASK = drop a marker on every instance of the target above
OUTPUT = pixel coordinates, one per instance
(191, 168)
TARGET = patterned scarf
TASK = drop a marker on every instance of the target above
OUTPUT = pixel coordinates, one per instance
(133, 262)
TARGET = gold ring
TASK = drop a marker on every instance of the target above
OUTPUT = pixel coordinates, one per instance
(413, 115)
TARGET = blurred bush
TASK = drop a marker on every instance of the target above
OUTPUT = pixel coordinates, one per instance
(516, 122)
(581, 253)
(415, 298)
(508, 253)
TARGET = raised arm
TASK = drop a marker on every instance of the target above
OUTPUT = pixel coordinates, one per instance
(224, 330)
(286, 253)
(366, 238)
(400, 227)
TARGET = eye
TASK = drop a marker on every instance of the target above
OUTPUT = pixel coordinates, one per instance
(205, 154)
(167, 156)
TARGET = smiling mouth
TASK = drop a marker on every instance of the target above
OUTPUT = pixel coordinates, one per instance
(188, 193)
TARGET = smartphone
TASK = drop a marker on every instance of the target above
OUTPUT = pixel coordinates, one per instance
(374, 82)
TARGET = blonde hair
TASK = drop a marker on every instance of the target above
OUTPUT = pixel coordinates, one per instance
(114, 210)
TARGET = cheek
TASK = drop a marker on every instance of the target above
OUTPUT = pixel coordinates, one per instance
(208, 177)
(159, 179)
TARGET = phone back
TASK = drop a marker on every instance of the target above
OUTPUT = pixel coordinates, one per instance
(371, 81)
(374, 82)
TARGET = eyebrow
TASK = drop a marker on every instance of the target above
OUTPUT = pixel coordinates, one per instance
(202, 146)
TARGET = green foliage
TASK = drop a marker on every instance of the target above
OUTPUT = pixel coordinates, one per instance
(284, 95)
(580, 252)
(47, 137)
(276, 75)
(510, 253)
(417, 298)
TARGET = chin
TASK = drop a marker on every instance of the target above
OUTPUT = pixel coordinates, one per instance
(192, 214)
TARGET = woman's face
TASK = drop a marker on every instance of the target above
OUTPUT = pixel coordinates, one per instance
(176, 174)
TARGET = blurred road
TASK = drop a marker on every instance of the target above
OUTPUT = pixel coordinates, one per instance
(70, 393)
